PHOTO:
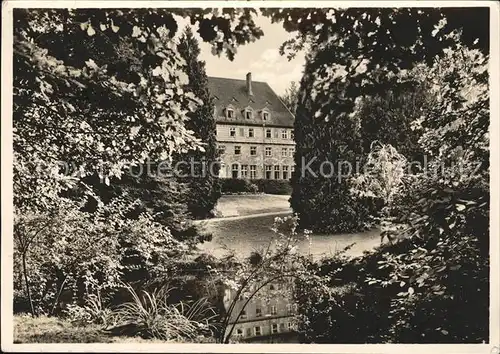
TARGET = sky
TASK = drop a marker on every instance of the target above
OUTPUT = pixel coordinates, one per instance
(261, 58)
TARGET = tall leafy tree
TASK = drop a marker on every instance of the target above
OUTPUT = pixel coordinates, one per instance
(202, 175)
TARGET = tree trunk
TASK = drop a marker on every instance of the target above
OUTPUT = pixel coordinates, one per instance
(56, 301)
(27, 283)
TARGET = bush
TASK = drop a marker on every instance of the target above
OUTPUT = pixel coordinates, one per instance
(337, 306)
(269, 186)
(149, 315)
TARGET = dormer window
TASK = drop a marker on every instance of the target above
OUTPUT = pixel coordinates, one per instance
(265, 115)
(248, 113)
(230, 112)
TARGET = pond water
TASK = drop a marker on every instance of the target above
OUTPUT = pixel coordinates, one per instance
(244, 235)
(248, 234)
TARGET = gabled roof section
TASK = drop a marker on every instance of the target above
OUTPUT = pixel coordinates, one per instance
(263, 98)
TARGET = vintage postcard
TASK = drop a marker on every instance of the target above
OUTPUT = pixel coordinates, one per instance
(250, 176)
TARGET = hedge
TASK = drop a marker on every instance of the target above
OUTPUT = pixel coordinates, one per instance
(274, 186)
(268, 186)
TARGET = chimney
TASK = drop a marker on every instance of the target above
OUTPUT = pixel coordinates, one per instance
(249, 84)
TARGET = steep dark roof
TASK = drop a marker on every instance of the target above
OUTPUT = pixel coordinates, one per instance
(234, 92)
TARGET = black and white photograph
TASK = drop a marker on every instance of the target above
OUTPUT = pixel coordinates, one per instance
(183, 176)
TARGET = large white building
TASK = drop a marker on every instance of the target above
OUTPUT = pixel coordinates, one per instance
(254, 129)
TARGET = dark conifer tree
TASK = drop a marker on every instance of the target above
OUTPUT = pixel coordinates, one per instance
(204, 190)
(328, 146)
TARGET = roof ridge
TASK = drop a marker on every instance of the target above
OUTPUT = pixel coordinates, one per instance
(230, 78)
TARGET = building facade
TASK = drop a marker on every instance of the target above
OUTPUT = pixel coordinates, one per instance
(254, 130)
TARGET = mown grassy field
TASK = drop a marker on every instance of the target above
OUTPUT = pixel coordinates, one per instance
(241, 205)
(45, 329)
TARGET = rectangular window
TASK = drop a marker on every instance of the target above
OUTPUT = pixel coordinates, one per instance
(283, 152)
(289, 325)
(276, 172)
(274, 328)
(268, 133)
(230, 113)
(253, 171)
(237, 150)
(265, 115)
(292, 135)
(285, 172)
(232, 131)
(222, 149)
(291, 151)
(243, 315)
(253, 150)
(242, 131)
(244, 171)
(239, 332)
(248, 114)
(284, 134)
(269, 151)
(274, 310)
(250, 132)
(268, 171)
(258, 312)
(257, 331)
(222, 171)
(235, 170)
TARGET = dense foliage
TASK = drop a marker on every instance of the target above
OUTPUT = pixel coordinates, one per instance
(98, 96)
(268, 186)
(387, 119)
(440, 262)
(326, 151)
(99, 93)
(352, 56)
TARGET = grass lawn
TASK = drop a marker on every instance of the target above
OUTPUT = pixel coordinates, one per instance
(55, 330)
(241, 205)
